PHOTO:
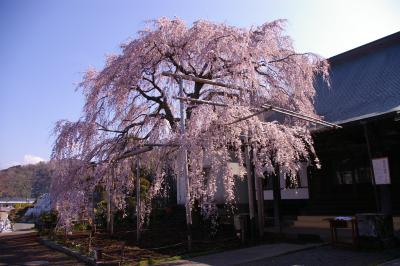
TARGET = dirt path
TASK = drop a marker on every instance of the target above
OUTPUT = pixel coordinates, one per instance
(24, 249)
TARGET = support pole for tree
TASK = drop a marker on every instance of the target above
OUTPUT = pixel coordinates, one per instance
(250, 186)
(112, 207)
(109, 209)
(138, 200)
(276, 183)
(206, 81)
(260, 205)
(257, 181)
(300, 116)
(234, 87)
(184, 165)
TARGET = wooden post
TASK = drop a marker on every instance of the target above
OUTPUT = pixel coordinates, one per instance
(378, 206)
(184, 170)
(111, 217)
(277, 200)
(260, 205)
(138, 200)
(108, 209)
(250, 186)
(110, 205)
(92, 217)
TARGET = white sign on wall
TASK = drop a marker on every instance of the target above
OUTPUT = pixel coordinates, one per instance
(381, 170)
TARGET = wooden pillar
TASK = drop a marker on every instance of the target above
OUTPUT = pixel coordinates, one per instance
(184, 165)
(110, 214)
(250, 187)
(110, 204)
(277, 200)
(378, 206)
(108, 209)
(260, 205)
(138, 200)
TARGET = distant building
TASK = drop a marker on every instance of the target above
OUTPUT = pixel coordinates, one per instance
(10, 202)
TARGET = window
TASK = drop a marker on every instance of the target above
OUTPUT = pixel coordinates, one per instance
(268, 182)
(363, 175)
(289, 182)
(344, 177)
(292, 182)
(357, 175)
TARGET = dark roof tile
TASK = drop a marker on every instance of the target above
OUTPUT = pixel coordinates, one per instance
(364, 81)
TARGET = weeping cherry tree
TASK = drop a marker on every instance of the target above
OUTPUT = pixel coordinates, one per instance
(129, 103)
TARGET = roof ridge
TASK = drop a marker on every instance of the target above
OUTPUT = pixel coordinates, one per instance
(353, 53)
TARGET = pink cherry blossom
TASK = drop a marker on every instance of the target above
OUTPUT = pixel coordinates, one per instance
(130, 103)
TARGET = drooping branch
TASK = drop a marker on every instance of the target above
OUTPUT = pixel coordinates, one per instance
(129, 104)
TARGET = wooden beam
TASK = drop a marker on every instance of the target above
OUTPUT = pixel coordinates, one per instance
(205, 81)
(134, 152)
(185, 99)
(300, 116)
(232, 86)
(249, 116)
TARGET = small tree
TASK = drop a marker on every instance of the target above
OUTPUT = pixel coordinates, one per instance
(129, 103)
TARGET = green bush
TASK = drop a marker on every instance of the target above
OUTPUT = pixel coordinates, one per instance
(82, 226)
(47, 221)
(101, 214)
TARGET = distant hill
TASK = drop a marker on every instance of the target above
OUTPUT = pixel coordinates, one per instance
(28, 181)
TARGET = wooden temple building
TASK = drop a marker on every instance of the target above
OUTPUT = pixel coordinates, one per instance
(361, 161)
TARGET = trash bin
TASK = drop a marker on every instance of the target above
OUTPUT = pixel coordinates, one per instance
(242, 222)
(375, 229)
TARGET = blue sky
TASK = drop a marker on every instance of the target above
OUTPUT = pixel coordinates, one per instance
(45, 46)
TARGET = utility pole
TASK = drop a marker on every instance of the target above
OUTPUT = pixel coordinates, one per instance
(184, 165)
(138, 200)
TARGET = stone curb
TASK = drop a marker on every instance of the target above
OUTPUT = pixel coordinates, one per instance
(51, 244)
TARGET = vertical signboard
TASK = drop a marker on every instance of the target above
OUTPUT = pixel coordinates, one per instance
(381, 171)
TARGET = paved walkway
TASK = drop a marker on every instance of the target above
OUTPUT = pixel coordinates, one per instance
(246, 255)
(395, 262)
(329, 256)
(24, 249)
(291, 254)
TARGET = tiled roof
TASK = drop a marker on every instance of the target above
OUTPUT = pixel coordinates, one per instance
(365, 82)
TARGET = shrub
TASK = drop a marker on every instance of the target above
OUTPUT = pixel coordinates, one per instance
(47, 221)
